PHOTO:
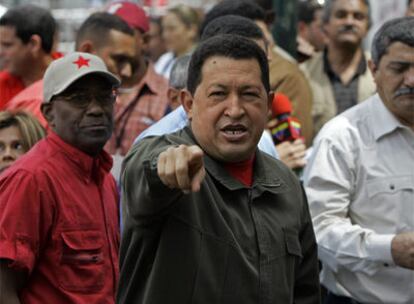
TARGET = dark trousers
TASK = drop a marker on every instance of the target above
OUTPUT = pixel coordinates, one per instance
(334, 299)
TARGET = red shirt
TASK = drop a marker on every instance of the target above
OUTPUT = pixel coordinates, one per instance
(9, 87)
(30, 100)
(59, 223)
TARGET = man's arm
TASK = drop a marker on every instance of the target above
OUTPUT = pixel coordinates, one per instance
(10, 282)
(157, 174)
(329, 181)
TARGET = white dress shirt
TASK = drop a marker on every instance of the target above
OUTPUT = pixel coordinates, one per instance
(360, 187)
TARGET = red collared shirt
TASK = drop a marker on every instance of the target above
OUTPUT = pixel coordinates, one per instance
(9, 87)
(135, 111)
(59, 224)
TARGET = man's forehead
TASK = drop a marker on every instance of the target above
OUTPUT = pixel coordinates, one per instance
(401, 50)
(8, 30)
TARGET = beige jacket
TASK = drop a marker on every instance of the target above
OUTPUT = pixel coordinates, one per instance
(324, 105)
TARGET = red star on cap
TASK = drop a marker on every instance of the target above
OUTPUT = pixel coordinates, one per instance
(82, 62)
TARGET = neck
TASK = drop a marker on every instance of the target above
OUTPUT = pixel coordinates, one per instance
(341, 58)
(37, 70)
(138, 74)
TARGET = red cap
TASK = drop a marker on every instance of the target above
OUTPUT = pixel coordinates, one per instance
(131, 13)
(281, 105)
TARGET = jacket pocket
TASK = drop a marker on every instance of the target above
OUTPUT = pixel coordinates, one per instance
(81, 261)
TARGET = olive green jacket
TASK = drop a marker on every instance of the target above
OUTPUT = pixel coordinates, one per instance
(227, 243)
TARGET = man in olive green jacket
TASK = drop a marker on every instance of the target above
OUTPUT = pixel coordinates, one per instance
(208, 218)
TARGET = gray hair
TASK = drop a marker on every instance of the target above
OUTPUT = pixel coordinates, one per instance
(179, 72)
(395, 30)
(328, 7)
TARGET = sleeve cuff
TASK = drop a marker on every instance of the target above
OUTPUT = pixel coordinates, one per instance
(379, 248)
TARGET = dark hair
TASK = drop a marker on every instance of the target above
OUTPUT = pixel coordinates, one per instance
(232, 24)
(306, 11)
(244, 8)
(230, 46)
(179, 72)
(409, 2)
(399, 29)
(328, 7)
(97, 27)
(29, 20)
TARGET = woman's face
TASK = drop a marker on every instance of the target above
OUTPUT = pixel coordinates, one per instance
(177, 36)
(11, 146)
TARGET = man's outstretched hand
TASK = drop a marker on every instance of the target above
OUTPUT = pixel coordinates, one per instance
(182, 167)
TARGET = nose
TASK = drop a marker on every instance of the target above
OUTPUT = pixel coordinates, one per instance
(409, 77)
(8, 154)
(126, 71)
(95, 108)
(234, 107)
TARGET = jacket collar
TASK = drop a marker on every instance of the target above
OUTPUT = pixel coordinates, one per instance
(383, 121)
(265, 178)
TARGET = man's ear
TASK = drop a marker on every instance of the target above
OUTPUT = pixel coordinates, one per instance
(36, 43)
(173, 98)
(270, 97)
(48, 113)
(372, 67)
(187, 101)
(86, 46)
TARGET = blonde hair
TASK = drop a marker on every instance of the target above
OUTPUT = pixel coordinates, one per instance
(30, 128)
(188, 15)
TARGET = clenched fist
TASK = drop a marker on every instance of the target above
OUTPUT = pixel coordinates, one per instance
(182, 168)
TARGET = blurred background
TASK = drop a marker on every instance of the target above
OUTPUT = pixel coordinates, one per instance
(71, 13)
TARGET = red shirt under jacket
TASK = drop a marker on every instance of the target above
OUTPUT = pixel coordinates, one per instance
(59, 224)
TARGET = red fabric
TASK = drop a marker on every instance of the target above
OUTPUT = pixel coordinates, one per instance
(242, 171)
(134, 116)
(59, 223)
(131, 13)
(30, 100)
(10, 86)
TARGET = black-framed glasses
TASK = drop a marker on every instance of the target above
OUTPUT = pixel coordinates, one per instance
(84, 99)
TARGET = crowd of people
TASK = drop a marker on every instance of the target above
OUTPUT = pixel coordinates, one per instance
(188, 158)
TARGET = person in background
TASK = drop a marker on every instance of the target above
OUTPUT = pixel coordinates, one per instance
(229, 24)
(26, 39)
(311, 38)
(410, 8)
(359, 183)
(201, 223)
(178, 81)
(102, 34)
(59, 234)
(285, 76)
(144, 100)
(180, 28)
(19, 132)
(339, 76)
(156, 46)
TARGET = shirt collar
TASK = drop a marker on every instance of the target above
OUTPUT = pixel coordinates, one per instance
(150, 79)
(87, 164)
(383, 121)
(362, 66)
(264, 178)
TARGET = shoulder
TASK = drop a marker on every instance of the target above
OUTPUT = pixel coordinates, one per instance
(32, 93)
(348, 128)
(314, 63)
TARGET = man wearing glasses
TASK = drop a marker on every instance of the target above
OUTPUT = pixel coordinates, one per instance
(58, 205)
